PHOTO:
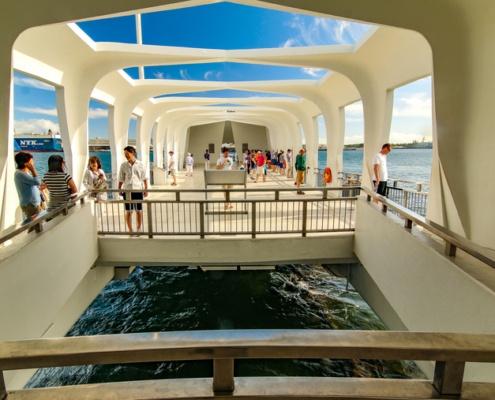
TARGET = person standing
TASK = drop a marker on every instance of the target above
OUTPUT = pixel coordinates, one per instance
(133, 175)
(281, 162)
(95, 178)
(289, 163)
(207, 159)
(260, 166)
(225, 163)
(300, 170)
(60, 184)
(273, 162)
(246, 157)
(172, 167)
(26, 182)
(253, 164)
(189, 165)
(380, 171)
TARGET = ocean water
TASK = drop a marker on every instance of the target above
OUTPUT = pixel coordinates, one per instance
(408, 164)
(158, 299)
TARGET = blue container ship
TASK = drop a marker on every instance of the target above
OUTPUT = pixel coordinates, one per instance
(37, 142)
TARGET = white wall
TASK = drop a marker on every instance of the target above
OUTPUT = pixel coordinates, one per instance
(226, 251)
(200, 136)
(254, 135)
(46, 280)
(412, 285)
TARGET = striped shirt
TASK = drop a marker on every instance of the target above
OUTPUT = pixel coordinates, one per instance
(57, 183)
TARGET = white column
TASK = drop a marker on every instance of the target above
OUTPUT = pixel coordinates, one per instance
(334, 119)
(9, 202)
(377, 110)
(119, 116)
(72, 109)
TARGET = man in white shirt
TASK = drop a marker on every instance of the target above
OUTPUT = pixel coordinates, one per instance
(133, 175)
(172, 167)
(225, 163)
(380, 172)
(189, 164)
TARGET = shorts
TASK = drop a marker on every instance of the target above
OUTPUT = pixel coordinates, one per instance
(31, 209)
(281, 165)
(134, 206)
(173, 172)
(260, 171)
(300, 176)
(382, 188)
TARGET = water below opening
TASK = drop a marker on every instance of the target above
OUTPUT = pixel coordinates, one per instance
(176, 299)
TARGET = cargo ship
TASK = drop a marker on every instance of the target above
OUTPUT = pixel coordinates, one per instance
(38, 142)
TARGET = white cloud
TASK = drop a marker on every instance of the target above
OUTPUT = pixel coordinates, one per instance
(354, 139)
(35, 126)
(313, 72)
(94, 113)
(31, 82)
(291, 42)
(323, 31)
(184, 74)
(213, 75)
(37, 110)
(354, 111)
(415, 105)
(403, 137)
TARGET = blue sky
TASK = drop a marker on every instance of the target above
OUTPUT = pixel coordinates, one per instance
(252, 27)
(226, 26)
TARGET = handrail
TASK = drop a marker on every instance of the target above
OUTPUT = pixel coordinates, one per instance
(452, 239)
(252, 215)
(37, 220)
(450, 351)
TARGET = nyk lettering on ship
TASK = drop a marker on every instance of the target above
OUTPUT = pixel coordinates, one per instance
(37, 142)
(29, 143)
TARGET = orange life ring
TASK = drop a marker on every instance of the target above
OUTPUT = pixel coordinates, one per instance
(327, 175)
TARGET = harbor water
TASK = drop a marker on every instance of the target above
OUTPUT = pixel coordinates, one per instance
(407, 164)
(159, 299)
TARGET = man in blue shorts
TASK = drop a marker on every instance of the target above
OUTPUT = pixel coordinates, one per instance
(133, 175)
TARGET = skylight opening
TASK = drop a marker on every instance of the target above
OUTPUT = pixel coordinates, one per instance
(226, 72)
(226, 26)
(228, 94)
(113, 30)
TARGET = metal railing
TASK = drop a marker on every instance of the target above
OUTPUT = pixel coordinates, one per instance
(35, 223)
(282, 212)
(449, 351)
(452, 240)
(412, 195)
(410, 199)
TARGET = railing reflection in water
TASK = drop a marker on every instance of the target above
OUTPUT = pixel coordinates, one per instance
(246, 217)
